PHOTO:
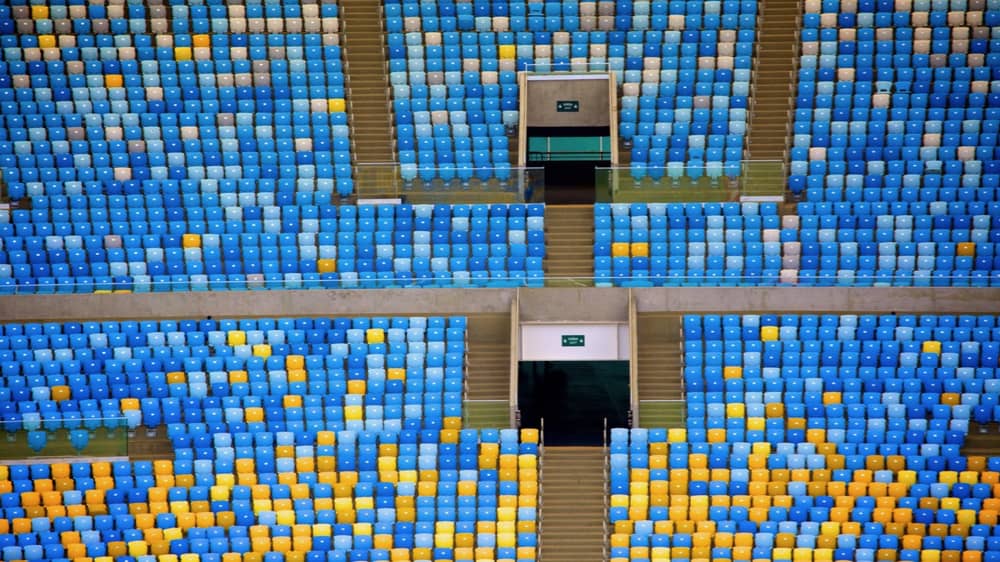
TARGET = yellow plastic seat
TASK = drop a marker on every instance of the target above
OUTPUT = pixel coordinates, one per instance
(769, 333)
(60, 393)
(816, 436)
(116, 549)
(125, 404)
(620, 249)
(236, 337)
(965, 249)
(188, 240)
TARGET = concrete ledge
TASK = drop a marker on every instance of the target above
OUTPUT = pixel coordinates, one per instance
(571, 304)
(856, 300)
(222, 304)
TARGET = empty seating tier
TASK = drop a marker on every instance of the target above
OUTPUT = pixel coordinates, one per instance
(894, 95)
(294, 439)
(179, 241)
(123, 94)
(817, 437)
(859, 242)
(659, 244)
(339, 496)
(199, 378)
(684, 70)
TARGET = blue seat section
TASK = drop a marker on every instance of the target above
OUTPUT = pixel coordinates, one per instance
(124, 95)
(228, 238)
(198, 378)
(334, 496)
(945, 242)
(659, 244)
(864, 241)
(686, 89)
(836, 435)
(683, 67)
(313, 438)
(896, 96)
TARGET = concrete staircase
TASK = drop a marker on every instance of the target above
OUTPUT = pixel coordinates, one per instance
(142, 446)
(569, 240)
(487, 401)
(983, 440)
(774, 78)
(368, 98)
(660, 370)
(573, 504)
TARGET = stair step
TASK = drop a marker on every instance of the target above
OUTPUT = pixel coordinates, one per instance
(773, 74)
(573, 512)
(367, 81)
(569, 239)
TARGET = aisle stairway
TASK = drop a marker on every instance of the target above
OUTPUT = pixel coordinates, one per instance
(488, 378)
(982, 443)
(368, 90)
(660, 370)
(773, 79)
(573, 504)
(569, 240)
(142, 446)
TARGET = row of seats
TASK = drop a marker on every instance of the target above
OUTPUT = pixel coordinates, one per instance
(557, 16)
(135, 18)
(937, 243)
(192, 193)
(157, 244)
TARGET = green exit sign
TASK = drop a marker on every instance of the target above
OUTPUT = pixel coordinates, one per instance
(573, 341)
(568, 106)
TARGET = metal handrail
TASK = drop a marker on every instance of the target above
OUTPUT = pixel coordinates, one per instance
(541, 484)
(902, 280)
(605, 549)
(606, 66)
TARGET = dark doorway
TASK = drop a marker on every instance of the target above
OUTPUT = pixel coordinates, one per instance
(574, 398)
(570, 183)
(569, 156)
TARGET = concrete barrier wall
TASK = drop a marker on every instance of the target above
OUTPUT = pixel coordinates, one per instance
(832, 299)
(536, 305)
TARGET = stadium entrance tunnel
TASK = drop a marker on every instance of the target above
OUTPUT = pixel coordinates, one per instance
(571, 157)
(574, 398)
(571, 182)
